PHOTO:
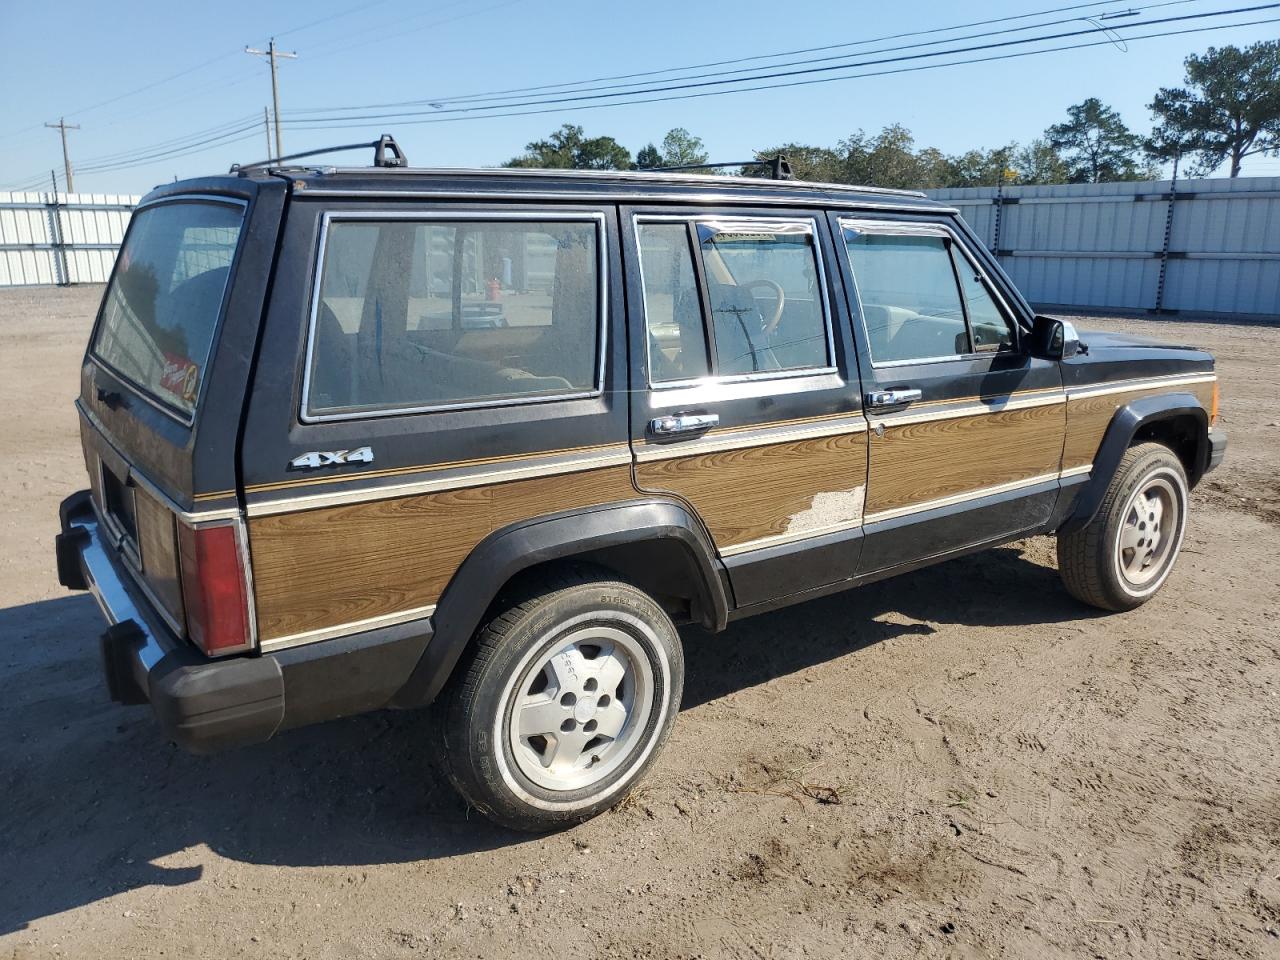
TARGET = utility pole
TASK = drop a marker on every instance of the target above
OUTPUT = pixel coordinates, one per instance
(266, 125)
(272, 54)
(63, 126)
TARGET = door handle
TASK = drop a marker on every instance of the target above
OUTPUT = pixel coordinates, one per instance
(892, 398)
(683, 424)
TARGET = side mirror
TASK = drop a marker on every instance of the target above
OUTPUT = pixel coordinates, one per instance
(1054, 339)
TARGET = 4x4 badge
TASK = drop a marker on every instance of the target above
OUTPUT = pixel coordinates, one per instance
(328, 458)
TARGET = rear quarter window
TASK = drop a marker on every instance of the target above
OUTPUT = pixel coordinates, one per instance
(161, 310)
(414, 315)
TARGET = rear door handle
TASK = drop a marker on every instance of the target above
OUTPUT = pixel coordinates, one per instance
(892, 398)
(683, 424)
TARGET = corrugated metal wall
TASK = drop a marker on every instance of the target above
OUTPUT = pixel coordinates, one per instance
(1214, 247)
(61, 237)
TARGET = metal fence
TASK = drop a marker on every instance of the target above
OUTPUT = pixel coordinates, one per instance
(48, 238)
(1210, 246)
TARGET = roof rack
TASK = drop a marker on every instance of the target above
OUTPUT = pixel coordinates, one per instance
(779, 167)
(386, 153)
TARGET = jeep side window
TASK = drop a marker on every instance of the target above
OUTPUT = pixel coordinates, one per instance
(763, 293)
(907, 289)
(413, 315)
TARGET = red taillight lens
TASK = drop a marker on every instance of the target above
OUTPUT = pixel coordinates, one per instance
(213, 587)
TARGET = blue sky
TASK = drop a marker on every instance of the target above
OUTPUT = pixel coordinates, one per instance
(87, 59)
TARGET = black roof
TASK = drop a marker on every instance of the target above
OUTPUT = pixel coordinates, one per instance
(584, 184)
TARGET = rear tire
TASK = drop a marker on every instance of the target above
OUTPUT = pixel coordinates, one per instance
(1123, 556)
(564, 703)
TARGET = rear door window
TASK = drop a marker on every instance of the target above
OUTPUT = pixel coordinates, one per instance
(763, 294)
(161, 310)
(413, 315)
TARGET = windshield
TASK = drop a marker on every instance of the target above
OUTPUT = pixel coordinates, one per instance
(161, 309)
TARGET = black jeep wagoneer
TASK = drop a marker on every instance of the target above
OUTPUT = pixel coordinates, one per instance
(360, 438)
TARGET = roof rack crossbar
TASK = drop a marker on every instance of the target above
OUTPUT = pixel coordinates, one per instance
(779, 167)
(386, 153)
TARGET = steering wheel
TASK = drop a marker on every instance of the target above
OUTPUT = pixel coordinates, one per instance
(775, 318)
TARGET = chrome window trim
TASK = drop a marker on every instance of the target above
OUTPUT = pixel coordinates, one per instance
(902, 228)
(618, 196)
(198, 197)
(741, 387)
(811, 225)
(430, 216)
(186, 419)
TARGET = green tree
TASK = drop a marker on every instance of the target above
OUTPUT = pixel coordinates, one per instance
(889, 159)
(680, 147)
(981, 168)
(648, 157)
(1230, 106)
(1098, 147)
(1039, 162)
(570, 149)
(1169, 145)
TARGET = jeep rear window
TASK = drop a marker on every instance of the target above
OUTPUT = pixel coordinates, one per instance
(413, 315)
(161, 309)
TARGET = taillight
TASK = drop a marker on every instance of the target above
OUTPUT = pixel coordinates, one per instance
(1213, 405)
(213, 587)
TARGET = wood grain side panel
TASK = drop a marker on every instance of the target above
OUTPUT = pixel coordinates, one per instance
(325, 567)
(158, 543)
(919, 462)
(1088, 418)
(754, 492)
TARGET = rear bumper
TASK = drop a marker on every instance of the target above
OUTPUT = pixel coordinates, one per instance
(205, 704)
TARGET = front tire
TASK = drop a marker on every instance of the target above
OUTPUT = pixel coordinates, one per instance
(564, 704)
(1123, 556)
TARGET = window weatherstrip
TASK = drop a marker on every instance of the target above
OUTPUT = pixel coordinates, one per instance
(432, 216)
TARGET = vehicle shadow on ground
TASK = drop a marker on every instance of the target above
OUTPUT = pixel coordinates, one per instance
(98, 804)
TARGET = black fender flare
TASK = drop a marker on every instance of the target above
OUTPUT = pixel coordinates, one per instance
(1126, 422)
(512, 549)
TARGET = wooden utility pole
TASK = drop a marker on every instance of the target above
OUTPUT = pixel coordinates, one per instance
(63, 127)
(272, 54)
(266, 125)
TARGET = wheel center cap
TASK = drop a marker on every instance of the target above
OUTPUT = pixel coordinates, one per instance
(584, 709)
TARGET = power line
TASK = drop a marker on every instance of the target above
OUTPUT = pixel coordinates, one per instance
(810, 82)
(582, 97)
(128, 157)
(231, 136)
(501, 94)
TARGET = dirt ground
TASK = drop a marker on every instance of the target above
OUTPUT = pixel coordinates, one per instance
(962, 762)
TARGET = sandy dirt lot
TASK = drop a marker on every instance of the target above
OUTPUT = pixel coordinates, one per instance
(959, 763)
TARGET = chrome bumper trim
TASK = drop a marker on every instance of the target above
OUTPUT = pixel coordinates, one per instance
(112, 595)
